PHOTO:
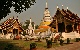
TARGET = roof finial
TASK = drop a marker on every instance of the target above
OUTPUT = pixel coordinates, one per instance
(57, 6)
(67, 7)
(46, 4)
(13, 17)
(62, 6)
(17, 17)
(10, 18)
(30, 20)
(34, 25)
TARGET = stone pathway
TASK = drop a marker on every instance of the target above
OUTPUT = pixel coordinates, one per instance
(74, 46)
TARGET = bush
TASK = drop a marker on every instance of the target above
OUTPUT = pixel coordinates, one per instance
(33, 46)
(77, 39)
(46, 40)
(8, 47)
(68, 40)
(49, 44)
(55, 40)
(39, 39)
(61, 42)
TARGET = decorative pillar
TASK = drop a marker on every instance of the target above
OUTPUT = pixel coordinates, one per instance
(73, 27)
(6, 30)
(34, 29)
(77, 29)
(30, 21)
(18, 32)
(12, 31)
(34, 26)
(56, 26)
(65, 27)
(2, 32)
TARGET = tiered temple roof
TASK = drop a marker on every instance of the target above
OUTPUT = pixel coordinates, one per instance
(47, 19)
(67, 15)
(9, 23)
(65, 20)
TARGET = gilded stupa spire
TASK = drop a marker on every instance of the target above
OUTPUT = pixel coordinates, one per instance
(47, 16)
(46, 4)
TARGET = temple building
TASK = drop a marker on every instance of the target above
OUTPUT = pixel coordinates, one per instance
(12, 26)
(65, 21)
(30, 30)
(47, 19)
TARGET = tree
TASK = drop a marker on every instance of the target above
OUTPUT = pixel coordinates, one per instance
(36, 26)
(27, 24)
(19, 6)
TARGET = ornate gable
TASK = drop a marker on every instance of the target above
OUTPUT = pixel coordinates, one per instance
(12, 23)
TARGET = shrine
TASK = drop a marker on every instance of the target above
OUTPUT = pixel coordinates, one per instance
(30, 30)
(47, 19)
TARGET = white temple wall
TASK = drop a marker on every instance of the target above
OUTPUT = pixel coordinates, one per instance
(71, 35)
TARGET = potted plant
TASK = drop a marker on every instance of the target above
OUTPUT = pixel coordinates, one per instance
(49, 44)
(9, 47)
(61, 42)
(77, 39)
(55, 40)
(39, 39)
(46, 40)
(68, 40)
(33, 46)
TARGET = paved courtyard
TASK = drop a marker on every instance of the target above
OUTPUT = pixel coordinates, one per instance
(74, 46)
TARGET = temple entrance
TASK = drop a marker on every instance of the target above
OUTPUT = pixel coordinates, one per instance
(75, 27)
(15, 31)
(61, 27)
(0, 30)
(69, 28)
(5, 32)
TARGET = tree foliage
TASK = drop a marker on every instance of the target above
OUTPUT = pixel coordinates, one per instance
(19, 6)
(27, 24)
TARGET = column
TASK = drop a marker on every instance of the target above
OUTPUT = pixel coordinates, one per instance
(65, 27)
(2, 32)
(73, 27)
(56, 26)
(18, 32)
(77, 29)
(12, 31)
